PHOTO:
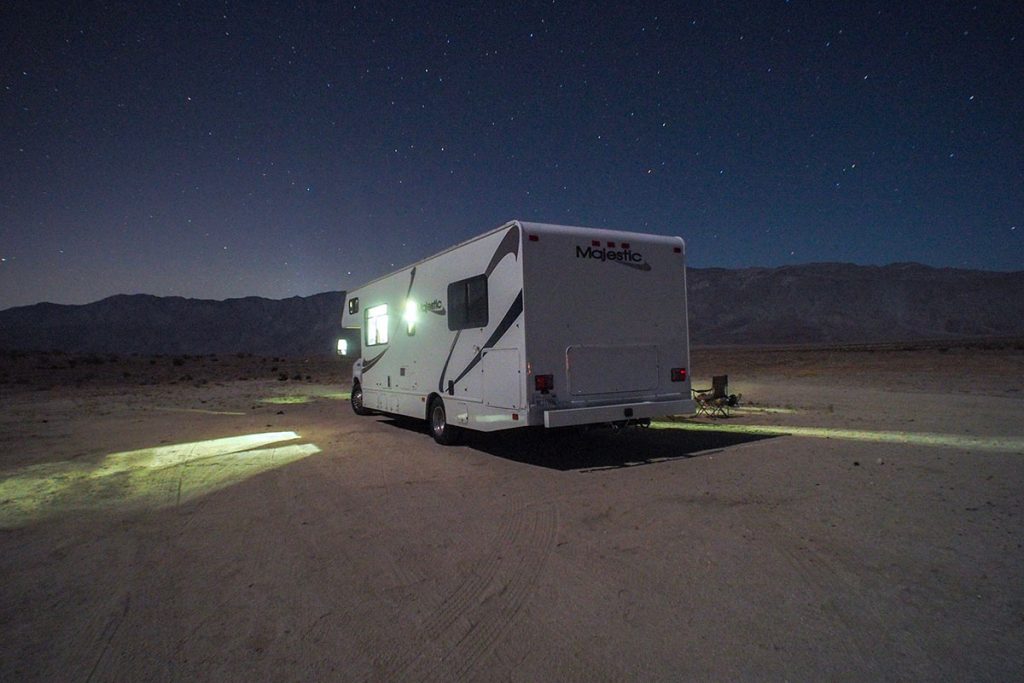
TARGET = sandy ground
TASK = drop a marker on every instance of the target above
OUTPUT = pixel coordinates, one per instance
(230, 519)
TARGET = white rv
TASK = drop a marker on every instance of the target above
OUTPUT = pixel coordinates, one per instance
(528, 324)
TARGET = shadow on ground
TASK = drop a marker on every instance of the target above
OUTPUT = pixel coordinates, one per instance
(596, 449)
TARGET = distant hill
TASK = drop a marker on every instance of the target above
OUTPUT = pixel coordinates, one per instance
(839, 302)
(145, 324)
(816, 303)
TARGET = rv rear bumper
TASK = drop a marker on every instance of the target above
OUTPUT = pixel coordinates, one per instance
(567, 417)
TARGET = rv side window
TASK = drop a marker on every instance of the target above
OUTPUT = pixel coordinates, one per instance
(377, 325)
(467, 303)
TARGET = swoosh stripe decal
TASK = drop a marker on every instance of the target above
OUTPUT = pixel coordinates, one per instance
(373, 361)
(510, 317)
(412, 278)
(440, 381)
(509, 245)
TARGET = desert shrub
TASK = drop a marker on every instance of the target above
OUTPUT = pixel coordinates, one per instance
(178, 361)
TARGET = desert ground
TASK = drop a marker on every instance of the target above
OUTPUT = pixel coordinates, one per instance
(229, 518)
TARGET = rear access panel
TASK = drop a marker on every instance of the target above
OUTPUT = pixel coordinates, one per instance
(611, 369)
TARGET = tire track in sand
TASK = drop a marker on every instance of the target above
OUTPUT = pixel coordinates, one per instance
(463, 631)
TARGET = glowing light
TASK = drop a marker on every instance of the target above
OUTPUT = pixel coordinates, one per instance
(147, 478)
(296, 399)
(199, 410)
(287, 400)
(1000, 444)
(342, 347)
(410, 316)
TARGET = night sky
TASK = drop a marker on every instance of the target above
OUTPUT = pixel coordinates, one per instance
(228, 149)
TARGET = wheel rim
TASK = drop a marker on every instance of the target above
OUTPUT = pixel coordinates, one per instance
(437, 420)
(357, 399)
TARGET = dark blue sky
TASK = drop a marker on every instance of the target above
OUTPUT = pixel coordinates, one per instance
(225, 149)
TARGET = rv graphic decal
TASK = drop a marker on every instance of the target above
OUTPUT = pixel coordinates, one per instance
(412, 278)
(434, 306)
(633, 259)
(510, 317)
(509, 246)
(373, 361)
(444, 370)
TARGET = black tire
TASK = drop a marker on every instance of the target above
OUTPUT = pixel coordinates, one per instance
(357, 401)
(443, 433)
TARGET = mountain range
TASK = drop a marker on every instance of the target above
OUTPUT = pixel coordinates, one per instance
(804, 304)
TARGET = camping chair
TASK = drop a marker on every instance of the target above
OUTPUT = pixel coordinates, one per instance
(714, 400)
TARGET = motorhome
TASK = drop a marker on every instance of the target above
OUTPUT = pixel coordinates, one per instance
(529, 324)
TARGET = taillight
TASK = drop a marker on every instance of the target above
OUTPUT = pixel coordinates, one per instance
(544, 383)
(678, 374)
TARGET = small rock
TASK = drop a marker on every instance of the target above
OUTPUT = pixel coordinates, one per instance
(880, 461)
(856, 463)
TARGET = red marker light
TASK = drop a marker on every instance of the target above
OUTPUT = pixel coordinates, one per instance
(544, 383)
(533, 238)
(678, 374)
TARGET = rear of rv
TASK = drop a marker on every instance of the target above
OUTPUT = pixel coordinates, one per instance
(606, 326)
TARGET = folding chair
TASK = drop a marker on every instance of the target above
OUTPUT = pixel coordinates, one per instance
(714, 401)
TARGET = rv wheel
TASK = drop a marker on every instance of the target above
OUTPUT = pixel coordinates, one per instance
(357, 401)
(443, 433)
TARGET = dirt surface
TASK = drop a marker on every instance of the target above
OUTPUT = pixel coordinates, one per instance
(859, 519)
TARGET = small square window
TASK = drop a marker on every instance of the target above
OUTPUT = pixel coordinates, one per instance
(467, 303)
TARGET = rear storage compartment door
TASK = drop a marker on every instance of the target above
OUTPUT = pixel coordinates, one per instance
(611, 369)
(502, 378)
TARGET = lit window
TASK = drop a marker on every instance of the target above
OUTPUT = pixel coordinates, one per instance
(377, 325)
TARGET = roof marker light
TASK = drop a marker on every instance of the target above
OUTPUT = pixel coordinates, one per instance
(611, 245)
(595, 243)
(678, 250)
(533, 238)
